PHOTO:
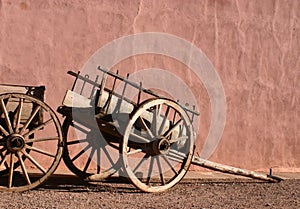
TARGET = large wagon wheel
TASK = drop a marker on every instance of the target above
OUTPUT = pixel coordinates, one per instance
(31, 142)
(87, 154)
(158, 145)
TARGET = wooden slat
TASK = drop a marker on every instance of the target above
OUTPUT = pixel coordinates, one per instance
(37, 91)
(13, 103)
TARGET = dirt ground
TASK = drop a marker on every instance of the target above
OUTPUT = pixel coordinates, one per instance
(69, 192)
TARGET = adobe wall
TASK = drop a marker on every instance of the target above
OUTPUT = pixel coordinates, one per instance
(253, 45)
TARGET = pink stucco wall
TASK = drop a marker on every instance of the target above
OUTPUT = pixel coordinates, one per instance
(254, 46)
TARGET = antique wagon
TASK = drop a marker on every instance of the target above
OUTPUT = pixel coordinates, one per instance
(119, 126)
(149, 138)
(111, 126)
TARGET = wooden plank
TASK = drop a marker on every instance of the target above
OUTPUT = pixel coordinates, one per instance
(72, 99)
(13, 103)
(36, 91)
(12, 89)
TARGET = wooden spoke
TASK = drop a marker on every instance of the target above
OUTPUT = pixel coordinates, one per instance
(175, 159)
(38, 128)
(40, 151)
(4, 131)
(89, 160)
(141, 162)
(160, 171)
(34, 161)
(173, 128)
(7, 120)
(176, 156)
(169, 164)
(3, 160)
(87, 147)
(181, 130)
(159, 107)
(174, 116)
(134, 152)
(156, 115)
(165, 120)
(29, 120)
(179, 154)
(149, 132)
(178, 139)
(53, 138)
(25, 173)
(19, 113)
(11, 170)
(139, 137)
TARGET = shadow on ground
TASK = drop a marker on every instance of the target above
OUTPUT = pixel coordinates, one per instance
(71, 183)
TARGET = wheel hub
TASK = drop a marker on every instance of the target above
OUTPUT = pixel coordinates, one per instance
(161, 146)
(15, 143)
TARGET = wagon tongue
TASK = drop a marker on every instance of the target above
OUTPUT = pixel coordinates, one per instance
(235, 171)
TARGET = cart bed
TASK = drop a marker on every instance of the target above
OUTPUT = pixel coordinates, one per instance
(35, 91)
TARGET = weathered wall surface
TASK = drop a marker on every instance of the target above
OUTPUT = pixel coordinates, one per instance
(253, 45)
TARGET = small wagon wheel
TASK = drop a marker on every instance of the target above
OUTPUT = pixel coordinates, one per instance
(31, 142)
(87, 154)
(158, 145)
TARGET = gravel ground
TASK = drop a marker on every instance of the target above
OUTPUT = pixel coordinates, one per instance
(213, 193)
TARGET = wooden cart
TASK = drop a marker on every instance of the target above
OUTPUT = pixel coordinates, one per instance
(149, 138)
(114, 125)
(31, 140)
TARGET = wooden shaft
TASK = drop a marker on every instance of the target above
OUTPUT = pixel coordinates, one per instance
(232, 170)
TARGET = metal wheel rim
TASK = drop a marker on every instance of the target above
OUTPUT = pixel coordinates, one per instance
(186, 162)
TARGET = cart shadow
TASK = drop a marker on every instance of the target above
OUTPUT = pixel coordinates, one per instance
(71, 183)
